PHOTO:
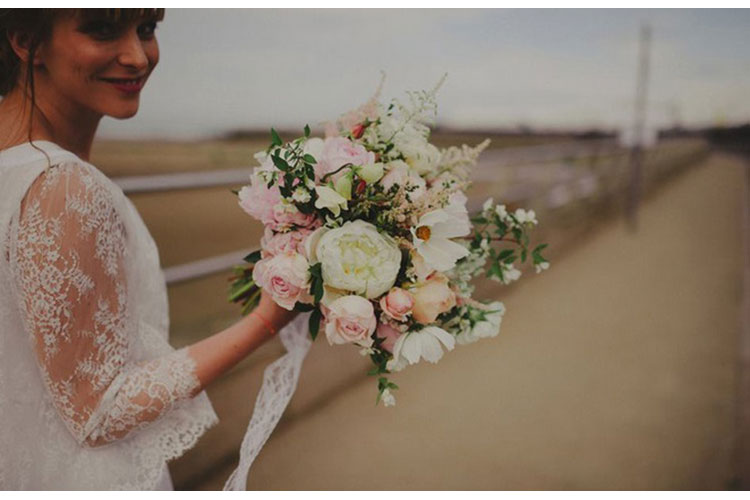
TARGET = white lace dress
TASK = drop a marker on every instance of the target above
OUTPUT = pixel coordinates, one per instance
(91, 394)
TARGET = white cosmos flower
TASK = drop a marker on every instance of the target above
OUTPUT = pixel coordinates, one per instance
(425, 343)
(433, 232)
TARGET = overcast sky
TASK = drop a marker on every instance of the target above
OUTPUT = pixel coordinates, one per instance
(225, 69)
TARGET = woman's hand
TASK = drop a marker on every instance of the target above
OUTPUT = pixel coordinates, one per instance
(273, 313)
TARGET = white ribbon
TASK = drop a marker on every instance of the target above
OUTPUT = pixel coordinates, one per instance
(279, 383)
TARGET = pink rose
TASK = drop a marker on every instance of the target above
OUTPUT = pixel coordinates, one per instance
(432, 299)
(284, 216)
(390, 334)
(277, 243)
(397, 303)
(350, 319)
(285, 277)
(338, 151)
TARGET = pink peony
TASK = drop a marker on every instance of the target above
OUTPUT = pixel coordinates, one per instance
(266, 205)
(285, 277)
(350, 319)
(338, 151)
(432, 299)
(390, 334)
(397, 304)
(258, 200)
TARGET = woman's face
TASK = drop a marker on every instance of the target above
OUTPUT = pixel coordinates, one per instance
(99, 65)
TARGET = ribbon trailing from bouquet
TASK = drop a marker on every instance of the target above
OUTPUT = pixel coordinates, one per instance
(279, 383)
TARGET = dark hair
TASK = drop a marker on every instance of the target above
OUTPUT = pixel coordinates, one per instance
(37, 25)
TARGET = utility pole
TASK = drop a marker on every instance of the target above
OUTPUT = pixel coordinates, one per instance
(639, 118)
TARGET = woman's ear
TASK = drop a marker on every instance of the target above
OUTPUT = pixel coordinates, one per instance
(21, 44)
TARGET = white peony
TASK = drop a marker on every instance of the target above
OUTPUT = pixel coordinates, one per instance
(425, 343)
(357, 258)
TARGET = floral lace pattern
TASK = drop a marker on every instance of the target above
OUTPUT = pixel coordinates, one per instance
(81, 283)
(76, 310)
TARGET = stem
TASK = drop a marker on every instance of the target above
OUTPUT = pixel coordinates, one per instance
(346, 165)
(509, 240)
(242, 290)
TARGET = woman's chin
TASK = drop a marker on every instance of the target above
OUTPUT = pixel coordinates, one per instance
(123, 113)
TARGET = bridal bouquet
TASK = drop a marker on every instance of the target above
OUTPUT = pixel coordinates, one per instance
(368, 230)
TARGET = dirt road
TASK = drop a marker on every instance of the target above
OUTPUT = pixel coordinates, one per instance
(616, 369)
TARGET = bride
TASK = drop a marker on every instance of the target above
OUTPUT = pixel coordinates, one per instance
(91, 394)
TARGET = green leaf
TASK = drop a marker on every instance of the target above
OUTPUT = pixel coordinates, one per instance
(307, 131)
(316, 281)
(252, 257)
(280, 163)
(309, 159)
(314, 322)
(376, 371)
(275, 139)
(504, 254)
(495, 270)
(299, 306)
(236, 191)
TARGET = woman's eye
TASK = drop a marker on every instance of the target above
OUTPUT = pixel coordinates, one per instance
(101, 30)
(146, 30)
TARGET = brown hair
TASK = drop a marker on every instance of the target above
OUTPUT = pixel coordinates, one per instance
(37, 24)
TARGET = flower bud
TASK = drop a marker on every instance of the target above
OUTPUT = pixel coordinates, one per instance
(358, 130)
(371, 172)
(343, 186)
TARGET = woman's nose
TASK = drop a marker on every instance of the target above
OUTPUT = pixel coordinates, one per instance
(132, 53)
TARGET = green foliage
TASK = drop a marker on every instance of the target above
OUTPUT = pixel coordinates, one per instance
(275, 139)
(252, 257)
(300, 307)
(314, 322)
(316, 281)
(383, 384)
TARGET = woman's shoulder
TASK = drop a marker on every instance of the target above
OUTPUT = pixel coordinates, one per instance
(50, 180)
(45, 166)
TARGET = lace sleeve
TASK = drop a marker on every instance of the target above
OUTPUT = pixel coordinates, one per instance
(69, 276)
